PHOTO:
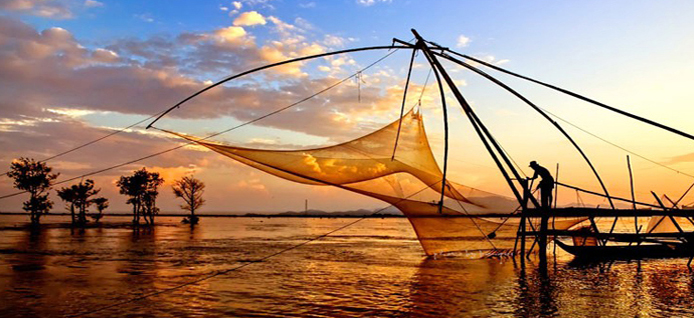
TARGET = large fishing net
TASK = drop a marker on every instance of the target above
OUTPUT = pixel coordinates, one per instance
(468, 219)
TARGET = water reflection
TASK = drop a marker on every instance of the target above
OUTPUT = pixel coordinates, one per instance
(27, 275)
(536, 293)
(375, 268)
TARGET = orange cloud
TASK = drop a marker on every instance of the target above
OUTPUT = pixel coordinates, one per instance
(171, 174)
(250, 19)
(231, 34)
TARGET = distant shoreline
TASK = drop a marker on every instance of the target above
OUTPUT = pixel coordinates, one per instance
(247, 215)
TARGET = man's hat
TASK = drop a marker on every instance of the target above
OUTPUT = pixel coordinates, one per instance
(533, 163)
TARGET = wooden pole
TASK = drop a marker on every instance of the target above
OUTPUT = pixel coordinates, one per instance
(541, 112)
(477, 124)
(521, 226)
(402, 107)
(570, 93)
(633, 198)
(482, 131)
(542, 244)
(556, 193)
(309, 57)
(684, 194)
(445, 129)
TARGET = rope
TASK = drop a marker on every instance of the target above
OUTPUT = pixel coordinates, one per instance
(95, 140)
(257, 69)
(426, 81)
(618, 146)
(486, 236)
(215, 134)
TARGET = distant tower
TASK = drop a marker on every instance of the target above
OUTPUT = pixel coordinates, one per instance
(306, 206)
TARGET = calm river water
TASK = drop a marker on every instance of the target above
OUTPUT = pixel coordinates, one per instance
(373, 268)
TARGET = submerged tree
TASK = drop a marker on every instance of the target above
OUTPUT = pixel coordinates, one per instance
(101, 205)
(68, 196)
(78, 197)
(190, 190)
(34, 177)
(142, 189)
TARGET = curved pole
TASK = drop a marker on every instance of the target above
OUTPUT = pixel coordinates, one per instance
(445, 129)
(481, 130)
(533, 106)
(583, 98)
(402, 107)
(368, 48)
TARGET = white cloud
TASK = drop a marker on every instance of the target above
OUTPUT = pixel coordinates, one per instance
(74, 113)
(105, 56)
(145, 17)
(223, 8)
(493, 60)
(237, 5)
(303, 23)
(307, 5)
(463, 41)
(16, 5)
(249, 19)
(93, 4)
(44, 8)
(282, 27)
(368, 3)
(335, 41)
(504, 61)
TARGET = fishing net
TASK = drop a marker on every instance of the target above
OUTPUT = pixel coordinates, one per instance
(668, 224)
(467, 220)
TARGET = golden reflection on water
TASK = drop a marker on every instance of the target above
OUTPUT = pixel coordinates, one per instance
(374, 268)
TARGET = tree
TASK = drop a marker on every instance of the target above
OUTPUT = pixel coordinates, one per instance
(78, 196)
(101, 205)
(34, 177)
(68, 195)
(190, 190)
(142, 189)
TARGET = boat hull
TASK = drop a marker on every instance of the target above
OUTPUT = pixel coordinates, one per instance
(664, 250)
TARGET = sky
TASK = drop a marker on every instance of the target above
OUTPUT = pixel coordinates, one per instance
(72, 71)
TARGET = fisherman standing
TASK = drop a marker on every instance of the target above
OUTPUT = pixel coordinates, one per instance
(546, 184)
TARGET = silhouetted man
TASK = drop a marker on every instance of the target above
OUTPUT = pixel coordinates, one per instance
(546, 184)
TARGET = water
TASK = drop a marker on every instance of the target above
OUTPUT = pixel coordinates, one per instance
(373, 268)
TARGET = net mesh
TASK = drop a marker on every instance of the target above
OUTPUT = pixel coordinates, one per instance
(410, 181)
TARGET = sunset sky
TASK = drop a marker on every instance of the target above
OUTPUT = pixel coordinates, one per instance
(71, 71)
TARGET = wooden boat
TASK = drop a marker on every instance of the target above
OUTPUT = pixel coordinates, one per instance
(634, 251)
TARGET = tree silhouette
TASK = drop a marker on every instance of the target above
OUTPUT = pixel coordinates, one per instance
(78, 196)
(190, 190)
(142, 189)
(34, 177)
(101, 205)
(69, 196)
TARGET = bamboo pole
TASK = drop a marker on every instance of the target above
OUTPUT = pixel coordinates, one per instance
(477, 124)
(542, 113)
(257, 69)
(402, 107)
(570, 93)
(633, 197)
(556, 194)
(482, 131)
